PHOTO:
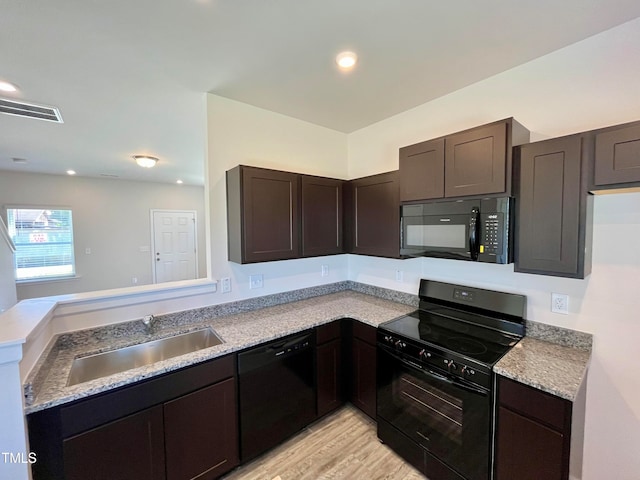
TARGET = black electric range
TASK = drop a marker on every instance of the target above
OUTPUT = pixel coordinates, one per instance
(435, 377)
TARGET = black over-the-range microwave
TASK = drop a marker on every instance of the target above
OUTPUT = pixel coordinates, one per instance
(476, 230)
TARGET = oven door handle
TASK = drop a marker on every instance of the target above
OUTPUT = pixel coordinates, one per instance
(442, 378)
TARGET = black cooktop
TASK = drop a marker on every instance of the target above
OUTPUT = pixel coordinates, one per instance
(438, 328)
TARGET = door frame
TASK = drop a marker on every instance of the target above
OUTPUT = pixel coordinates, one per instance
(152, 211)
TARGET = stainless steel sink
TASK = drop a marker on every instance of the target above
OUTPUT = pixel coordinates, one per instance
(100, 365)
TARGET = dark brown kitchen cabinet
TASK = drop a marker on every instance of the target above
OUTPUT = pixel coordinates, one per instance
(362, 374)
(554, 208)
(422, 171)
(617, 156)
(130, 448)
(473, 162)
(263, 217)
(329, 367)
(321, 205)
(176, 426)
(539, 435)
(201, 433)
(373, 215)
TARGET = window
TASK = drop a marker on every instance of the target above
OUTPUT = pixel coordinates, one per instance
(44, 242)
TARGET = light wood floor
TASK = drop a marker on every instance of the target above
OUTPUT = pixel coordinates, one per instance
(342, 445)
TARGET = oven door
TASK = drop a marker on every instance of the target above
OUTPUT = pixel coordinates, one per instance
(447, 417)
(441, 235)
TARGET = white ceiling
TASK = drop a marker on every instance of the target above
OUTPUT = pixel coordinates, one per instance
(130, 77)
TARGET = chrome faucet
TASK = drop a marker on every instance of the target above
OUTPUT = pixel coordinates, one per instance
(149, 321)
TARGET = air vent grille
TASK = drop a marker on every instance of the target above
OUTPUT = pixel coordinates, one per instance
(21, 109)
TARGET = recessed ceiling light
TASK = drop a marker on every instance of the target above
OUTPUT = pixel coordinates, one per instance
(179, 182)
(71, 172)
(346, 60)
(8, 87)
(145, 161)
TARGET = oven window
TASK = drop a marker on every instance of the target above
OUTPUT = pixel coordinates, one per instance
(442, 411)
(443, 236)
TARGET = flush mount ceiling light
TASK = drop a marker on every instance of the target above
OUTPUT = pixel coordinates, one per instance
(145, 161)
(71, 172)
(346, 60)
(179, 182)
(7, 87)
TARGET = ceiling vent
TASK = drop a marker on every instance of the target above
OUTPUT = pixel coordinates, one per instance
(22, 109)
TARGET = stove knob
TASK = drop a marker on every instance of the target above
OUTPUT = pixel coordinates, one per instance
(467, 371)
(424, 353)
(450, 365)
(400, 344)
(387, 339)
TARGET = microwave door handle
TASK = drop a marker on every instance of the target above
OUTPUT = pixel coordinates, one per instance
(474, 233)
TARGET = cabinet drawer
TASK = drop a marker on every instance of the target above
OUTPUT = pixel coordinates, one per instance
(327, 332)
(541, 406)
(364, 332)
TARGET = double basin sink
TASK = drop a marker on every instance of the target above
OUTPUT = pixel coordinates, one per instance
(104, 364)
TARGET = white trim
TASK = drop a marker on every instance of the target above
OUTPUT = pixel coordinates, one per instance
(28, 281)
(153, 237)
(4, 233)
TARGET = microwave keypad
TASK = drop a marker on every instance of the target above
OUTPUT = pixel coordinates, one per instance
(492, 233)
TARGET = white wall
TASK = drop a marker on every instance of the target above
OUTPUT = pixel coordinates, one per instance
(240, 134)
(590, 84)
(111, 217)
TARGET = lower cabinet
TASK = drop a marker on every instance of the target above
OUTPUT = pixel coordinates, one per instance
(538, 435)
(180, 426)
(362, 372)
(201, 433)
(129, 448)
(329, 367)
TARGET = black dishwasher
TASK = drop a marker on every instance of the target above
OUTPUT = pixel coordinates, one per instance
(276, 391)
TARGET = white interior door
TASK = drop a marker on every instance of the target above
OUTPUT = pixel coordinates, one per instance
(174, 243)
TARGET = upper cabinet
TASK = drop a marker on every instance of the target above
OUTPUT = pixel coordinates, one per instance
(469, 163)
(422, 171)
(262, 215)
(554, 210)
(372, 207)
(321, 216)
(276, 215)
(617, 157)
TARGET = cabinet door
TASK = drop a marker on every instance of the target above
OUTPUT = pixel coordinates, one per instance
(201, 433)
(127, 449)
(321, 216)
(262, 215)
(374, 215)
(422, 171)
(617, 158)
(329, 374)
(476, 161)
(363, 364)
(528, 450)
(548, 238)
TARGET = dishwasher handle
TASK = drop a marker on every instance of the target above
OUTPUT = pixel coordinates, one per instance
(275, 351)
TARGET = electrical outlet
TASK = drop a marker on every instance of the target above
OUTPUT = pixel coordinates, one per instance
(325, 270)
(134, 280)
(399, 275)
(225, 285)
(87, 251)
(560, 303)
(255, 281)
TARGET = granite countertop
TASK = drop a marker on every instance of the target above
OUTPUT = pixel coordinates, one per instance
(552, 359)
(552, 368)
(46, 385)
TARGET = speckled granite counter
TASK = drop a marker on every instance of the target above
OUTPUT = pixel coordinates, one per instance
(550, 367)
(549, 358)
(46, 385)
